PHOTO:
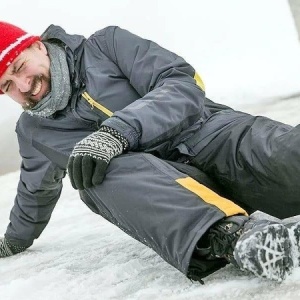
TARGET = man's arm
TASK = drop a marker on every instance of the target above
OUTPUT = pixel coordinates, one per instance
(38, 190)
(171, 100)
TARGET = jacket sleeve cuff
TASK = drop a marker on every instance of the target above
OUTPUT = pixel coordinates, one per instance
(124, 129)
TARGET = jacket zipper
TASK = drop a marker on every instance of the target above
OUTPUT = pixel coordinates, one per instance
(94, 103)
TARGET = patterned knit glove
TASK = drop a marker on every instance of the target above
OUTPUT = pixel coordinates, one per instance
(8, 249)
(90, 157)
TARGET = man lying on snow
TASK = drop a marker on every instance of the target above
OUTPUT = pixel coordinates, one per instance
(148, 151)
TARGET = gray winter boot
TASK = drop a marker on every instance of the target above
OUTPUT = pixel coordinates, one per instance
(262, 247)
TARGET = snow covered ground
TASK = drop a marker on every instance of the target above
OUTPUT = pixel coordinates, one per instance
(81, 256)
(249, 57)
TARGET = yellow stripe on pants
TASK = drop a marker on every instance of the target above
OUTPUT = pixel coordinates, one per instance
(228, 207)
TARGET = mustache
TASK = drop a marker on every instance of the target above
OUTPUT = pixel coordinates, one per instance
(31, 102)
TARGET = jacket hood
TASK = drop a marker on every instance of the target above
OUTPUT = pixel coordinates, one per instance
(73, 47)
(73, 41)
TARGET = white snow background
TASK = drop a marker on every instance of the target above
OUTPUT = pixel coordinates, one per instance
(248, 54)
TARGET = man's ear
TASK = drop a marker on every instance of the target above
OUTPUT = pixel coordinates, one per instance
(38, 45)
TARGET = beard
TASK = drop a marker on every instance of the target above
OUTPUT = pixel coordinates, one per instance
(30, 101)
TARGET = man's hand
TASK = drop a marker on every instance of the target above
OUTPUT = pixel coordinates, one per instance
(90, 157)
(8, 249)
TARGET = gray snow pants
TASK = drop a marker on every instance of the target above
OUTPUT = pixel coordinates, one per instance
(253, 161)
(158, 205)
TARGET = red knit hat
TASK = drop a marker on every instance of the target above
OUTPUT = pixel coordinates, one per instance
(13, 40)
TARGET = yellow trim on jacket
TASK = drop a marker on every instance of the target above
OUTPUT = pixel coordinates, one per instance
(199, 81)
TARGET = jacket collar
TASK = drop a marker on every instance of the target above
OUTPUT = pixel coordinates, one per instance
(73, 47)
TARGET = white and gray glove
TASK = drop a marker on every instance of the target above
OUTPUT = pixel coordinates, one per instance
(90, 157)
(9, 249)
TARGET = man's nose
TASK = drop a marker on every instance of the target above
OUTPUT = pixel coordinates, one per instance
(23, 83)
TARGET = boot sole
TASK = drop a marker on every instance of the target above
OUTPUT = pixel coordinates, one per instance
(265, 251)
(294, 233)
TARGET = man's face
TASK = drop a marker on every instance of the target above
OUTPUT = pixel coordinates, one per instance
(27, 79)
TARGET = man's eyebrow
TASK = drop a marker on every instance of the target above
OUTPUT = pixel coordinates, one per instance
(17, 60)
(13, 65)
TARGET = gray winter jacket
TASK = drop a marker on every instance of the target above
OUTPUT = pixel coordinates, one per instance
(147, 93)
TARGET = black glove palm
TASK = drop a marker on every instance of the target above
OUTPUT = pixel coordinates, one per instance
(90, 157)
(8, 249)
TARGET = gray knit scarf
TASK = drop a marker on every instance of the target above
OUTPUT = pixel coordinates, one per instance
(58, 97)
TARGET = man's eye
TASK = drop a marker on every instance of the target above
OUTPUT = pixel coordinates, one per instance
(20, 67)
(7, 87)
